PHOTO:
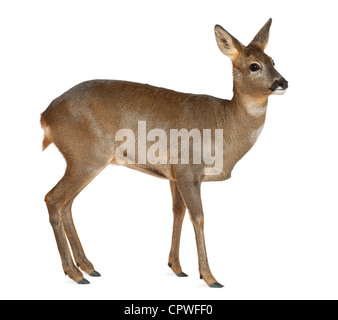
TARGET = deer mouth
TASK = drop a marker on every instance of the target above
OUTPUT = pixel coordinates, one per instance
(278, 91)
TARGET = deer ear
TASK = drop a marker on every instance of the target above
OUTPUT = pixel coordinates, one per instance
(228, 44)
(262, 37)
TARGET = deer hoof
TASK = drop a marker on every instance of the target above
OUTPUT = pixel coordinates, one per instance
(216, 285)
(182, 275)
(83, 281)
(95, 274)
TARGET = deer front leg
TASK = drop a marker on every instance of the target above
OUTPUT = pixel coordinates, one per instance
(189, 186)
(179, 213)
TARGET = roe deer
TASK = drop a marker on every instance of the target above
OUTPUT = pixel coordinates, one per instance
(84, 123)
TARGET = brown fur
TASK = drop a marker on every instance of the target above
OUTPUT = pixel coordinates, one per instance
(83, 121)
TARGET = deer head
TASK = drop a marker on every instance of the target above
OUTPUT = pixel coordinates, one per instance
(253, 70)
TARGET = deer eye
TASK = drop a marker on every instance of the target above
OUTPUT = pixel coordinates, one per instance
(255, 67)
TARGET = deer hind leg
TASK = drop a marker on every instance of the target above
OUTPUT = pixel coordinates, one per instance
(80, 258)
(179, 209)
(58, 202)
(190, 190)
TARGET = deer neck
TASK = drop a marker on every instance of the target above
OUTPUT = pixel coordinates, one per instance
(255, 106)
(248, 112)
(245, 121)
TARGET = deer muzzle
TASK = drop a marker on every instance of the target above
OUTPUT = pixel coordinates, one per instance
(279, 86)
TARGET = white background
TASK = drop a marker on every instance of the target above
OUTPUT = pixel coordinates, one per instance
(271, 230)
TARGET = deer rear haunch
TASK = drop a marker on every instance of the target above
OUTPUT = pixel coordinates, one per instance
(89, 125)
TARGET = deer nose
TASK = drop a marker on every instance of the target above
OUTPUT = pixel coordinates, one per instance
(283, 84)
(279, 83)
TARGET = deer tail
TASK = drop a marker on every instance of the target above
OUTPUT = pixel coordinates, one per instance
(47, 140)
